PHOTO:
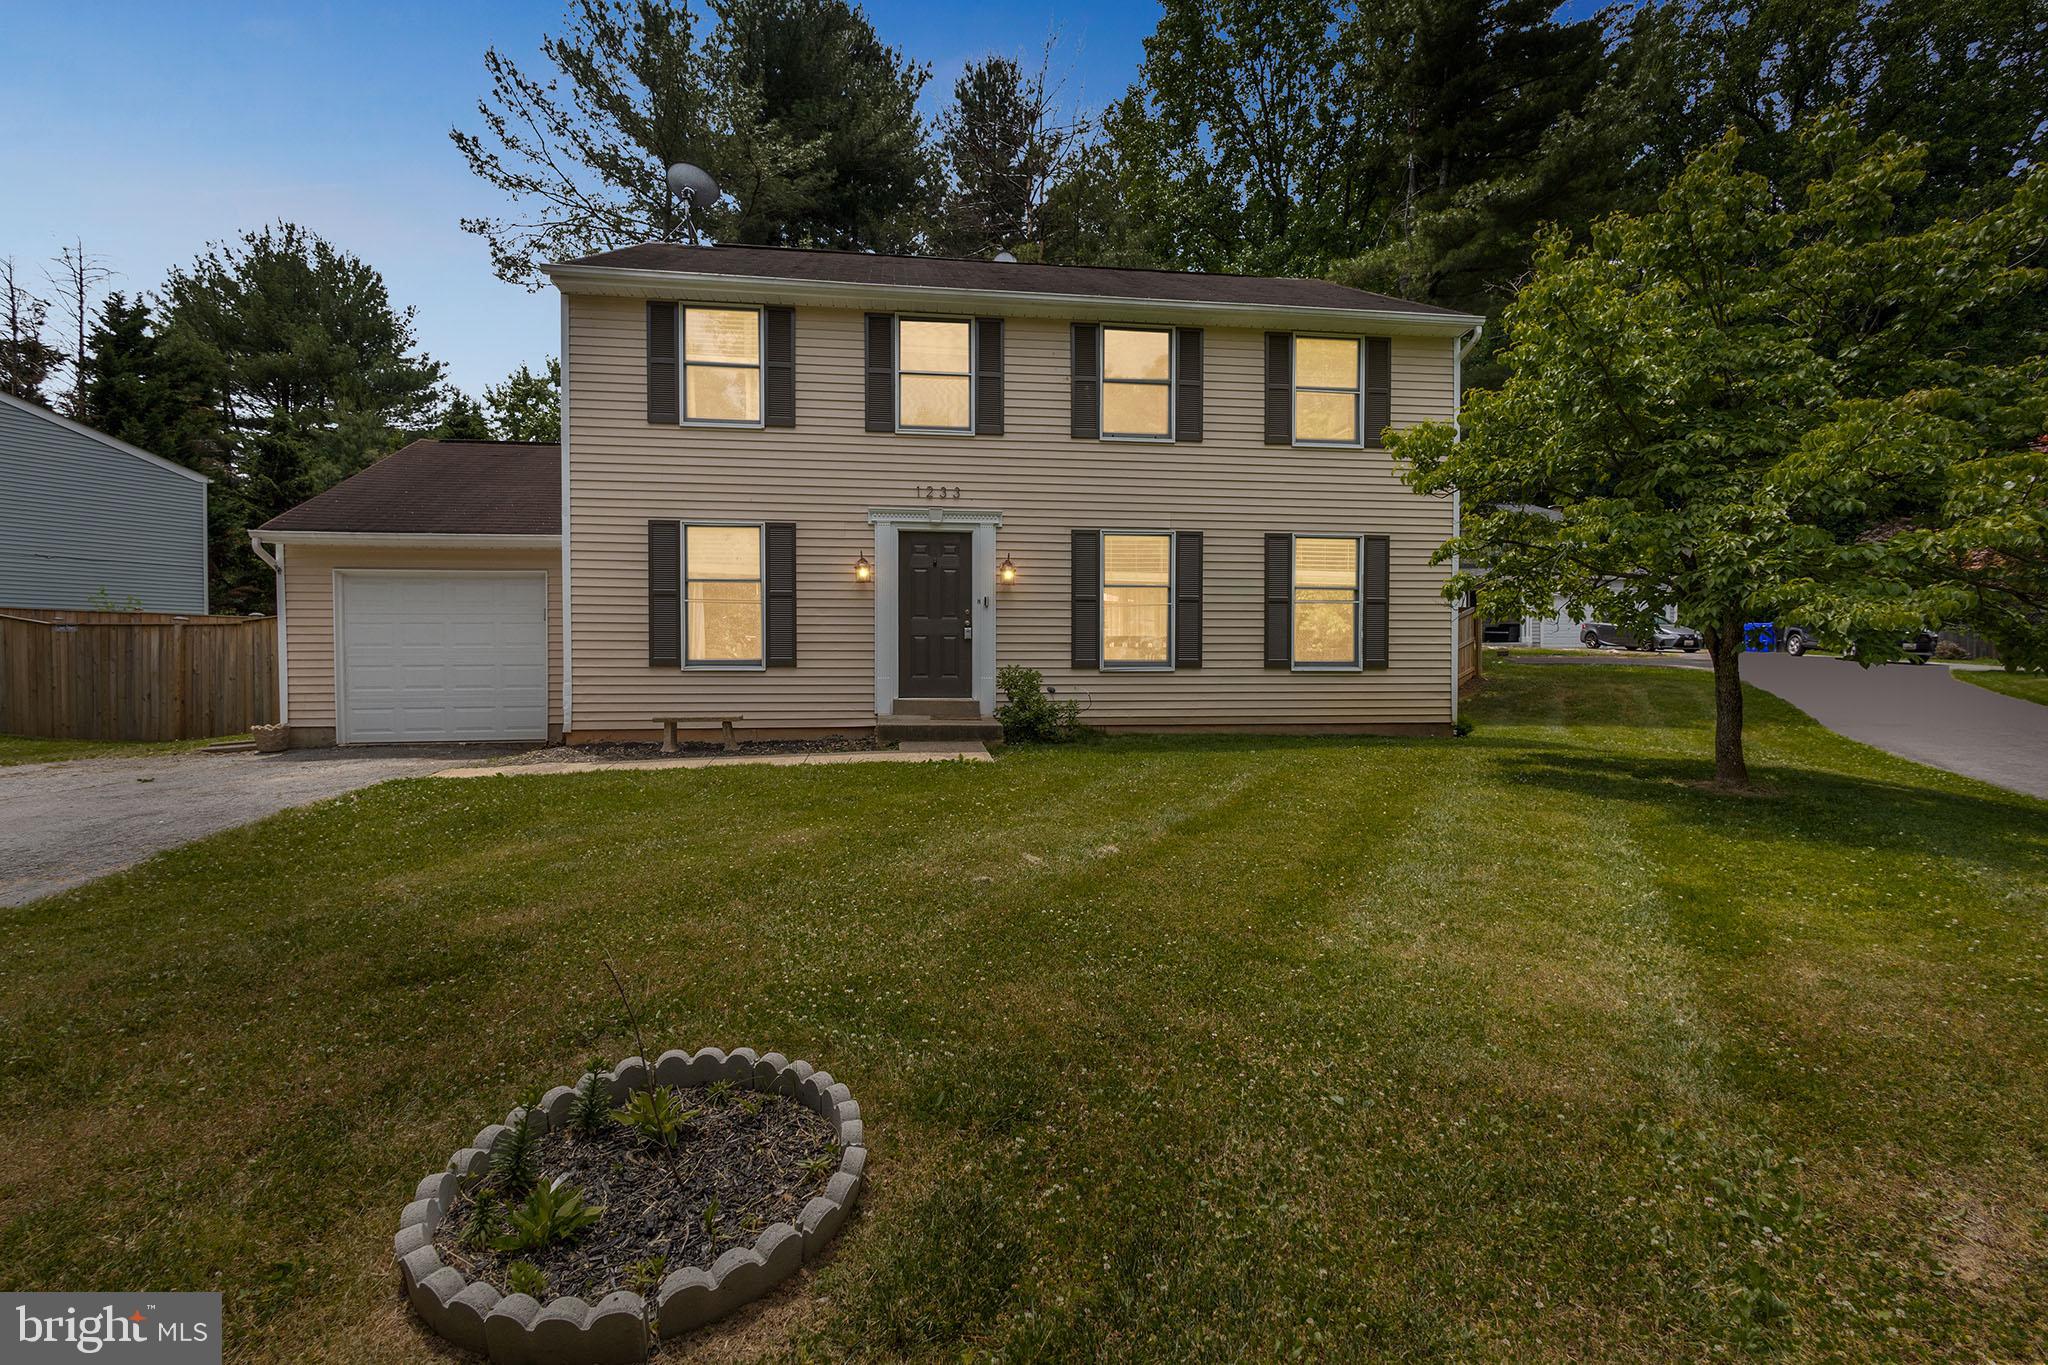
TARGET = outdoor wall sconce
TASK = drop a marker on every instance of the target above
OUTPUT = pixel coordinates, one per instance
(1006, 572)
(863, 572)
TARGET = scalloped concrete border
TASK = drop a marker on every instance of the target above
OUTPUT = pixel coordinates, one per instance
(515, 1329)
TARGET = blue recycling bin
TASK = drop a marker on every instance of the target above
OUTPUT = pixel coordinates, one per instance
(1759, 637)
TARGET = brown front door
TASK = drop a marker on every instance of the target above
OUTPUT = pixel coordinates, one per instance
(934, 615)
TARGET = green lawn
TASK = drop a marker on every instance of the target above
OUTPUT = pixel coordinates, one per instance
(1518, 1047)
(15, 749)
(2026, 686)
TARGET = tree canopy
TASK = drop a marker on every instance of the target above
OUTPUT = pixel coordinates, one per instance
(1751, 401)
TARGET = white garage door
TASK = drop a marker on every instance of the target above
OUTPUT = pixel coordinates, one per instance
(443, 656)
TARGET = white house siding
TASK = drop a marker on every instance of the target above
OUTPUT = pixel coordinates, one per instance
(828, 472)
(85, 521)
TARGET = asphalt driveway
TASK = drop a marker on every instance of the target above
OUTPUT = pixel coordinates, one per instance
(1916, 711)
(63, 824)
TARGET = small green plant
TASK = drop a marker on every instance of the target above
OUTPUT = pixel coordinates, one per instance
(656, 1115)
(717, 1093)
(1461, 728)
(1028, 714)
(644, 1277)
(820, 1164)
(590, 1113)
(552, 1213)
(485, 1216)
(524, 1277)
(515, 1159)
(750, 1104)
(710, 1218)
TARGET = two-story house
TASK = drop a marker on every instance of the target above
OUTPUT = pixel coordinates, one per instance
(830, 491)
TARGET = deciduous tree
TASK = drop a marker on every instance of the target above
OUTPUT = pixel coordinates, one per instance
(1747, 401)
(528, 406)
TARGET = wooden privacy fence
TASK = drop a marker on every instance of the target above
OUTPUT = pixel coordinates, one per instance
(135, 675)
(1469, 651)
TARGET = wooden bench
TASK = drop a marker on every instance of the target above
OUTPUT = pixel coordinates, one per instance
(668, 726)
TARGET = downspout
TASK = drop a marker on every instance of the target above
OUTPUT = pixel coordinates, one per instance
(276, 564)
(1460, 348)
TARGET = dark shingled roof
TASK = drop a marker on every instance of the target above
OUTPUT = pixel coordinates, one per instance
(1010, 277)
(431, 488)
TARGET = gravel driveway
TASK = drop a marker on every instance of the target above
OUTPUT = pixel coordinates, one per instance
(63, 824)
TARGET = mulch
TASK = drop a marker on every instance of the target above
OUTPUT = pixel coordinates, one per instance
(746, 1161)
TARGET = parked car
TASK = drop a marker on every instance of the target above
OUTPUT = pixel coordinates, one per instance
(1919, 646)
(1607, 635)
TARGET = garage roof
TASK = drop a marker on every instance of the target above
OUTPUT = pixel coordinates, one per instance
(482, 488)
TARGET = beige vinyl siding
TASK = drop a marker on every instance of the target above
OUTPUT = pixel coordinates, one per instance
(826, 474)
(309, 614)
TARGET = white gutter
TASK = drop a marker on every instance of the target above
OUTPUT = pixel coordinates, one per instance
(568, 655)
(696, 285)
(283, 657)
(395, 540)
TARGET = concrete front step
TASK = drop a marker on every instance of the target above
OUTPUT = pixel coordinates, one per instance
(938, 708)
(898, 729)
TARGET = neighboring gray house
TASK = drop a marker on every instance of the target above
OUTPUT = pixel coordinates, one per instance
(86, 520)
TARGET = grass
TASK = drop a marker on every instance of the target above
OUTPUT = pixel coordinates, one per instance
(2025, 686)
(1519, 1047)
(18, 749)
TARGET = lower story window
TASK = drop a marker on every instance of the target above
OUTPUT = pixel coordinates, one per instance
(1326, 598)
(1137, 599)
(722, 595)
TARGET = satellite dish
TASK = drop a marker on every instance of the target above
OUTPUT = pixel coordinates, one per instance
(1006, 256)
(695, 187)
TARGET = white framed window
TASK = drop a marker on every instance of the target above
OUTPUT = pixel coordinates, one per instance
(935, 375)
(1324, 615)
(1329, 391)
(1137, 599)
(721, 350)
(1137, 384)
(724, 606)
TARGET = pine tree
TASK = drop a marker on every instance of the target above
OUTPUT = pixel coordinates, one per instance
(26, 360)
(527, 406)
(463, 420)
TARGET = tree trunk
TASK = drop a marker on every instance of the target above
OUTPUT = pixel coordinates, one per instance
(1724, 642)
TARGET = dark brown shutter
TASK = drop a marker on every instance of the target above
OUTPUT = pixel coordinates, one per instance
(1087, 403)
(1187, 394)
(881, 372)
(988, 376)
(1379, 389)
(664, 594)
(1279, 599)
(663, 391)
(1187, 594)
(1373, 616)
(1279, 389)
(1087, 595)
(780, 556)
(778, 370)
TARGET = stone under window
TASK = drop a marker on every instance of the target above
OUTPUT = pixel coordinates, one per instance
(1137, 600)
(1137, 384)
(1327, 387)
(934, 375)
(721, 365)
(722, 596)
(1326, 601)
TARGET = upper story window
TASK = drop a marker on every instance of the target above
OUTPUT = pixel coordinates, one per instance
(1137, 599)
(935, 375)
(1326, 601)
(723, 602)
(1137, 384)
(722, 365)
(1328, 385)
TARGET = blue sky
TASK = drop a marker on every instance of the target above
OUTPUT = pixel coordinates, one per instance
(150, 129)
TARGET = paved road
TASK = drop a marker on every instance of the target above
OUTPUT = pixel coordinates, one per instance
(1914, 710)
(62, 824)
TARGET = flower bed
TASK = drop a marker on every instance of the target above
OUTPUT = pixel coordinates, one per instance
(733, 1171)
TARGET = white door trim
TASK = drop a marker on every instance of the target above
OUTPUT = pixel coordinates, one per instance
(889, 523)
(340, 642)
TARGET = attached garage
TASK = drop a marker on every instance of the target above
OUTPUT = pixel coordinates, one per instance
(420, 602)
(440, 655)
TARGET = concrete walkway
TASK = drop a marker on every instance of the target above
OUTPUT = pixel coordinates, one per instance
(914, 751)
(63, 824)
(1916, 711)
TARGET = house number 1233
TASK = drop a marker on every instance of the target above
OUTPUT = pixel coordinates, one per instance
(931, 492)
